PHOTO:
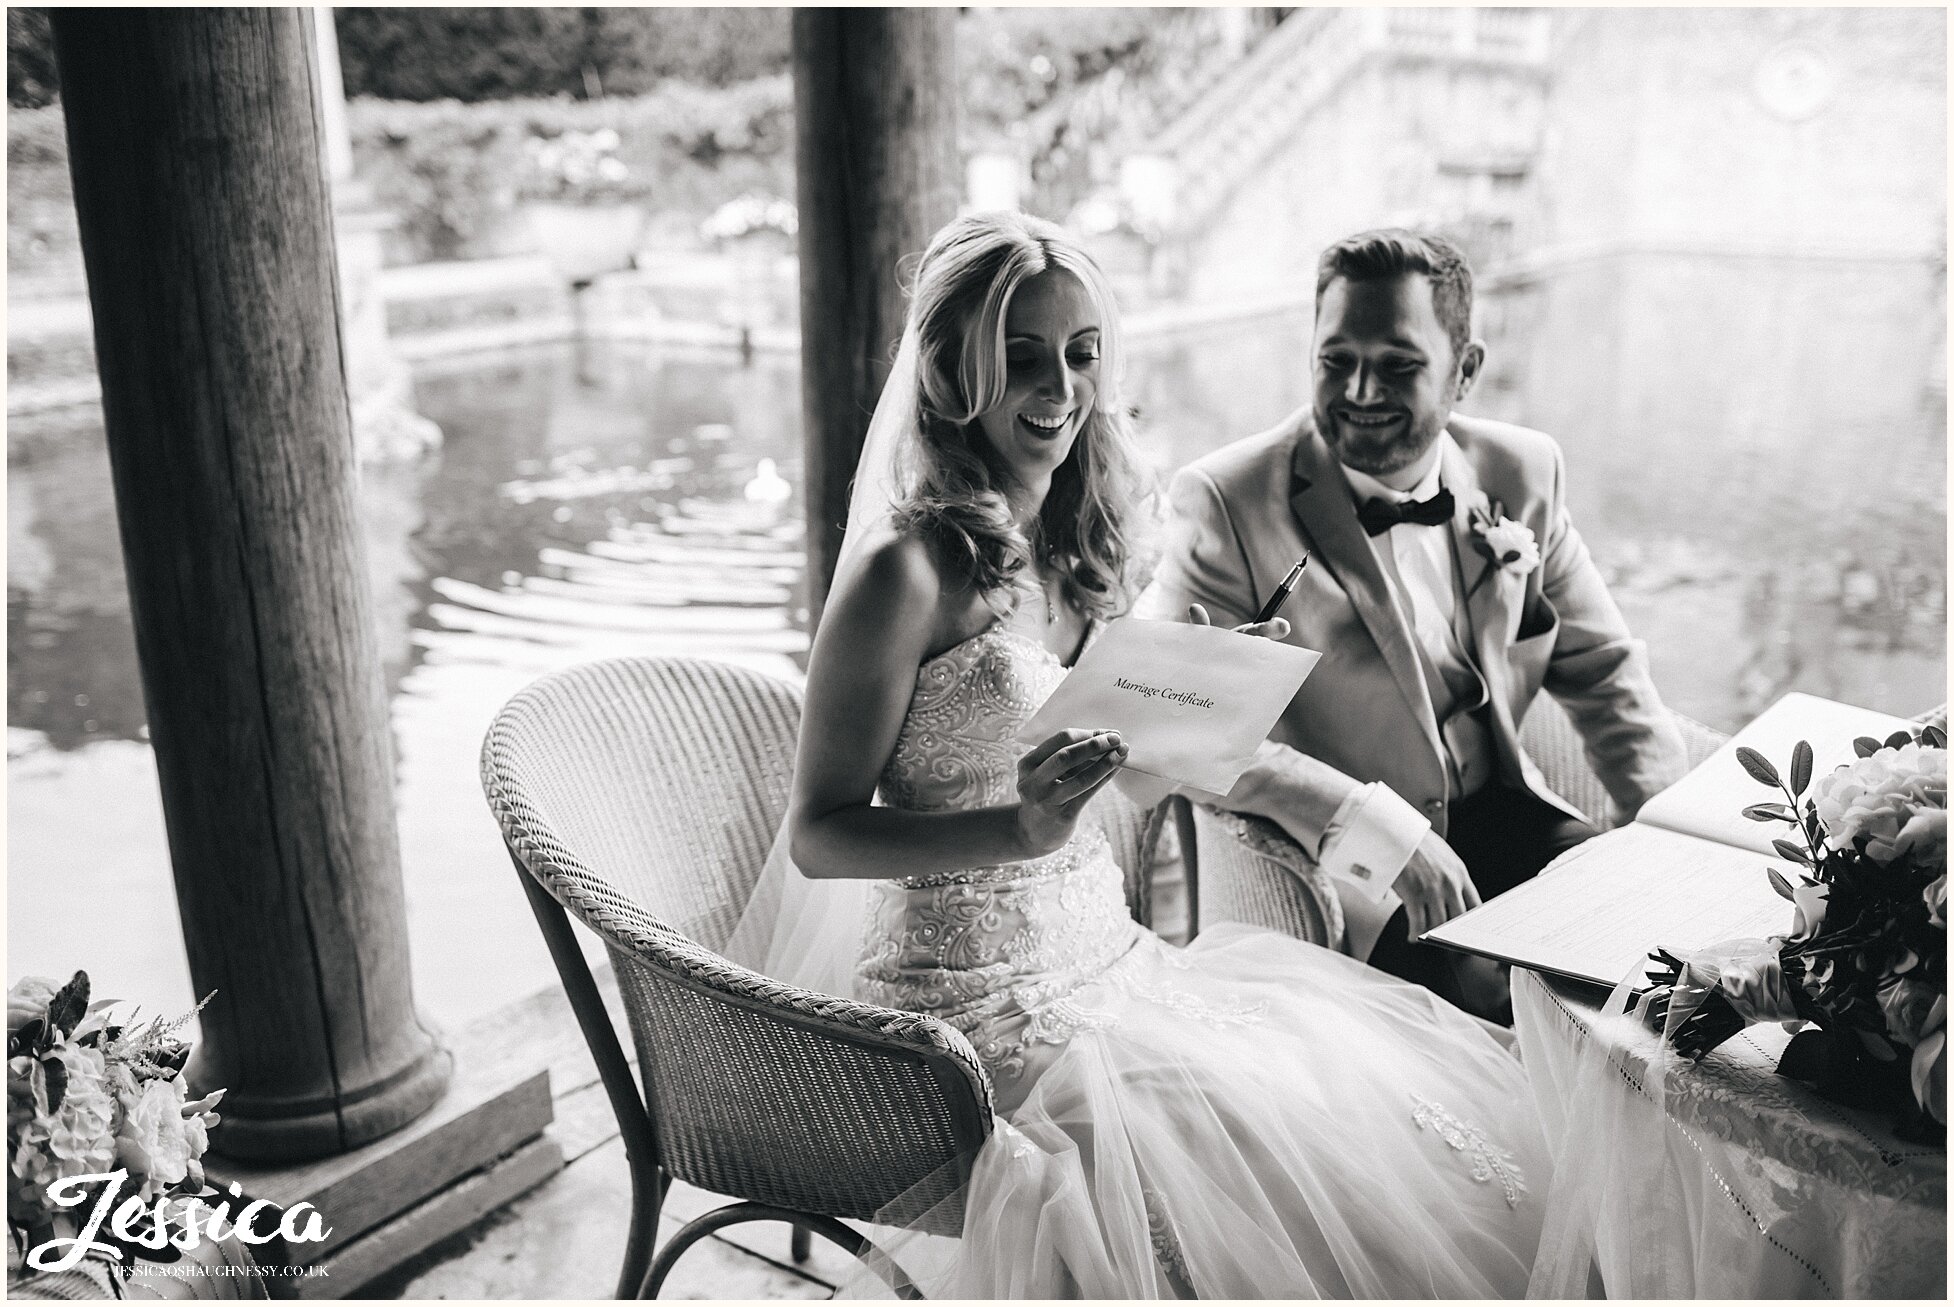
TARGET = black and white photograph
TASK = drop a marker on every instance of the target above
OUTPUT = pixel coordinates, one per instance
(977, 653)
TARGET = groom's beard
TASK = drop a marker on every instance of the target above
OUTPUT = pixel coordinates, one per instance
(1379, 454)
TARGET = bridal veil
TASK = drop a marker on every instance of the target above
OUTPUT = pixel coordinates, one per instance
(797, 928)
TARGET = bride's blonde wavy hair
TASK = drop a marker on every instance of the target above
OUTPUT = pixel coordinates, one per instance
(953, 485)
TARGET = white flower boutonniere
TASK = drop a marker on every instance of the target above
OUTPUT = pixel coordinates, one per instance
(1508, 545)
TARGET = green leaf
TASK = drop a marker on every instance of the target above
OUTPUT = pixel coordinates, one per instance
(1779, 883)
(57, 1082)
(1758, 766)
(28, 1038)
(1933, 737)
(1801, 767)
(69, 1004)
(1786, 849)
(1770, 812)
(1865, 746)
(1899, 739)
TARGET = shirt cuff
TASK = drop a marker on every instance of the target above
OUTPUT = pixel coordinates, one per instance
(1371, 838)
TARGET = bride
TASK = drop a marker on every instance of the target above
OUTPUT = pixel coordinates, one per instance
(1250, 1117)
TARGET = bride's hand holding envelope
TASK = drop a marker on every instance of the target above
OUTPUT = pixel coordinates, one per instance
(1191, 701)
(1148, 790)
(1057, 779)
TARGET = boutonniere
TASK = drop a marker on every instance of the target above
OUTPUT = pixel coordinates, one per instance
(1508, 545)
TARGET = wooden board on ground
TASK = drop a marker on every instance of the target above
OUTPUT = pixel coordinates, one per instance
(565, 1239)
(500, 1099)
(350, 1268)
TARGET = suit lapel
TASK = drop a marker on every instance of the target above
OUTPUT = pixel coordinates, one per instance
(1321, 500)
(1490, 598)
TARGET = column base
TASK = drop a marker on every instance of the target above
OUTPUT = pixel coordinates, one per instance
(289, 1130)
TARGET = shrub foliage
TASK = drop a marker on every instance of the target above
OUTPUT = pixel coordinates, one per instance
(454, 173)
(494, 54)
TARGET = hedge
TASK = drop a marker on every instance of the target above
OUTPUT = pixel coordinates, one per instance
(484, 54)
(497, 53)
(454, 173)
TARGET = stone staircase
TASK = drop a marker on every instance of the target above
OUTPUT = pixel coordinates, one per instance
(1203, 157)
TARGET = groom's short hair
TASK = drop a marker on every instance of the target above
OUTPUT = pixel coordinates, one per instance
(1392, 252)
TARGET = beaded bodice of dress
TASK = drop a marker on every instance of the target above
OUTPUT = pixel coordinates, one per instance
(997, 951)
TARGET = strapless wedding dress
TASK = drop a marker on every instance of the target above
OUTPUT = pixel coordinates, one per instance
(1250, 1117)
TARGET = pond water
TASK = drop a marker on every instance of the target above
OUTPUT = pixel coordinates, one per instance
(612, 500)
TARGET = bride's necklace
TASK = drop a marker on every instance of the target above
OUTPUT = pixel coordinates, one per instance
(1042, 567)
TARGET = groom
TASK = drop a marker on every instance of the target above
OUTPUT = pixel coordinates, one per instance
(1446, 588)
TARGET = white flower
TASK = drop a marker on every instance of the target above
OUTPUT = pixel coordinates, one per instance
(1924, 837)
(1509, 544)
(28, 999)
(153, 1141)
(1877, 798)
(1913, 1009)
(1936, 896)
(1808, 899)
(44, 1144)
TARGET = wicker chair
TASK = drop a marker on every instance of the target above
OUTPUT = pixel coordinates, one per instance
(642, 796)
(1247, 869)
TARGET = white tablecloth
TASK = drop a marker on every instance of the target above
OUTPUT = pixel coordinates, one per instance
(1715, 1180)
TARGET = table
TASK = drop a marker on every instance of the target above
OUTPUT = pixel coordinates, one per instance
(1720, 1179)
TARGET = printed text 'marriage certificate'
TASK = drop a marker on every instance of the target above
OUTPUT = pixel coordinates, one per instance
(1193, 702)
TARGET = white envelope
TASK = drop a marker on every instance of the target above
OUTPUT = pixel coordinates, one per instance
(1192, 702)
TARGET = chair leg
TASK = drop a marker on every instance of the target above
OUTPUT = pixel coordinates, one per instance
(803, 1222)
(647, 1200)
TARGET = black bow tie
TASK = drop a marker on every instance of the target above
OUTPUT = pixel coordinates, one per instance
(1379, 515)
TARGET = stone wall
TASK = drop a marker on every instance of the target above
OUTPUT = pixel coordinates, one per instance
(1740, 247)
(1806, 128)
(1408, 135)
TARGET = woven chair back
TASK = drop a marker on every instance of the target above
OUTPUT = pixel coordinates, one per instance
(644, 794)
(667, 777)
(1549, 738)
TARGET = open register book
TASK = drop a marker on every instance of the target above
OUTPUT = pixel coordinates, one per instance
(1688, 871)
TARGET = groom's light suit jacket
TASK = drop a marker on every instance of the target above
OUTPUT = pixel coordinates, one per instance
(1244, 514)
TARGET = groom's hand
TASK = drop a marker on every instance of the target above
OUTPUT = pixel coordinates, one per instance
(1275, 628)
(1434, 886)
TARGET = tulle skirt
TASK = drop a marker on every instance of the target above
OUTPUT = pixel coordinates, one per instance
(1251, 1117)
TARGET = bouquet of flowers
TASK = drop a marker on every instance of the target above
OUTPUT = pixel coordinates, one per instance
(579, 167)
(1865, 962)
(748, 214)
(88, 1096)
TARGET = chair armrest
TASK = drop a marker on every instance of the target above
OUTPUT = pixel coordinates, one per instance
(1251, 871)
(1549, 737)
(1134, 833)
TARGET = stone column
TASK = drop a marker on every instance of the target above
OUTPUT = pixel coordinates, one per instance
(195, 142)
(875, 129)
